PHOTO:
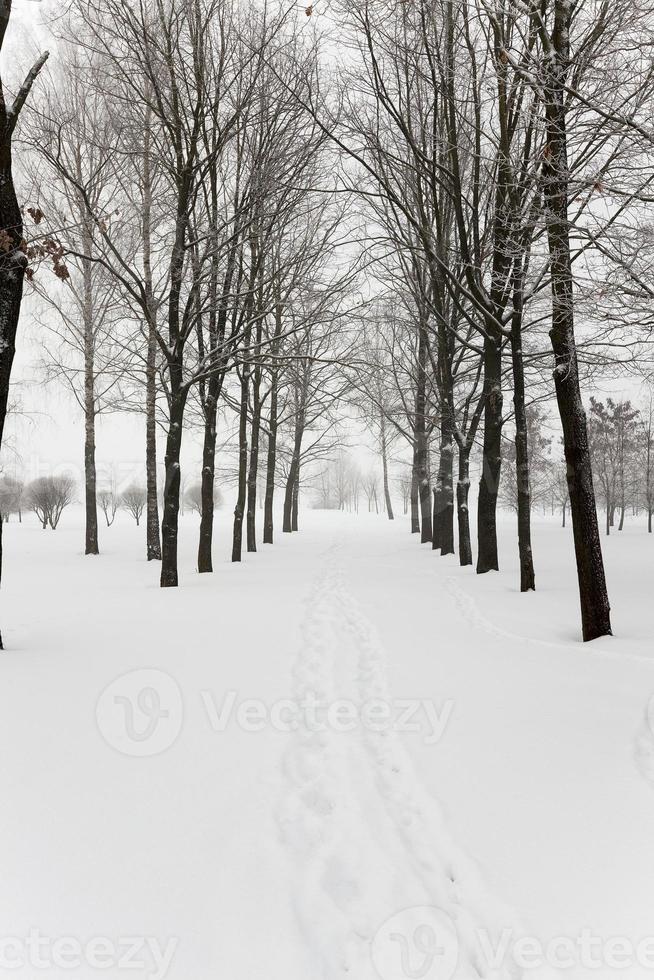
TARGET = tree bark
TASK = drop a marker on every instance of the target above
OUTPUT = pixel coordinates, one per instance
(169, 525)
(239, 510)
(253, 469)
(527, 576)
(90, 482)
(422, 446)
(443, 529)
(384, 456)
(153, 540)
(487, 559)
(271, 462)
(415, 496)
(462, 509)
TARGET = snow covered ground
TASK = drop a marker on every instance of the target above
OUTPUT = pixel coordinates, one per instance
(345, 759)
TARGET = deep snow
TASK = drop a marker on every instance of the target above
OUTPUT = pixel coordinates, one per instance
(522, 806)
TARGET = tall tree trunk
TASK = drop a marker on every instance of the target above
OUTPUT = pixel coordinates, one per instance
(239, 510)
(422, 441)
(296, 501)
(415, 496)
(217, 326)
(90, 496)
(289, 493)
(292, 482)
(271, 462)
(169, 525)
(527, 576)
(443, 529)
(487, 559)
(205, 558)
(255, 427)
(384, 456)
(595, 608)
(152, 536)
(462, 509)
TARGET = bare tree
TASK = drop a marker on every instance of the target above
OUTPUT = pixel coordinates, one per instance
(133, 500)
(48, 496)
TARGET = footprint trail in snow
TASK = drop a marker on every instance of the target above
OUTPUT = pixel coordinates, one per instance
(365, 838)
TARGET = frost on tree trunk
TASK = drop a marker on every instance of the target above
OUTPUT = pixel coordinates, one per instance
(595, 609)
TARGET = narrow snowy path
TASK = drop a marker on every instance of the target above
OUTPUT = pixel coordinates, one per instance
(368, 841)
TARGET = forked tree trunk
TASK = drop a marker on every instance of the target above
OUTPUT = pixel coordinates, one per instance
(595, 608)
(289, 495)
(487, 558)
